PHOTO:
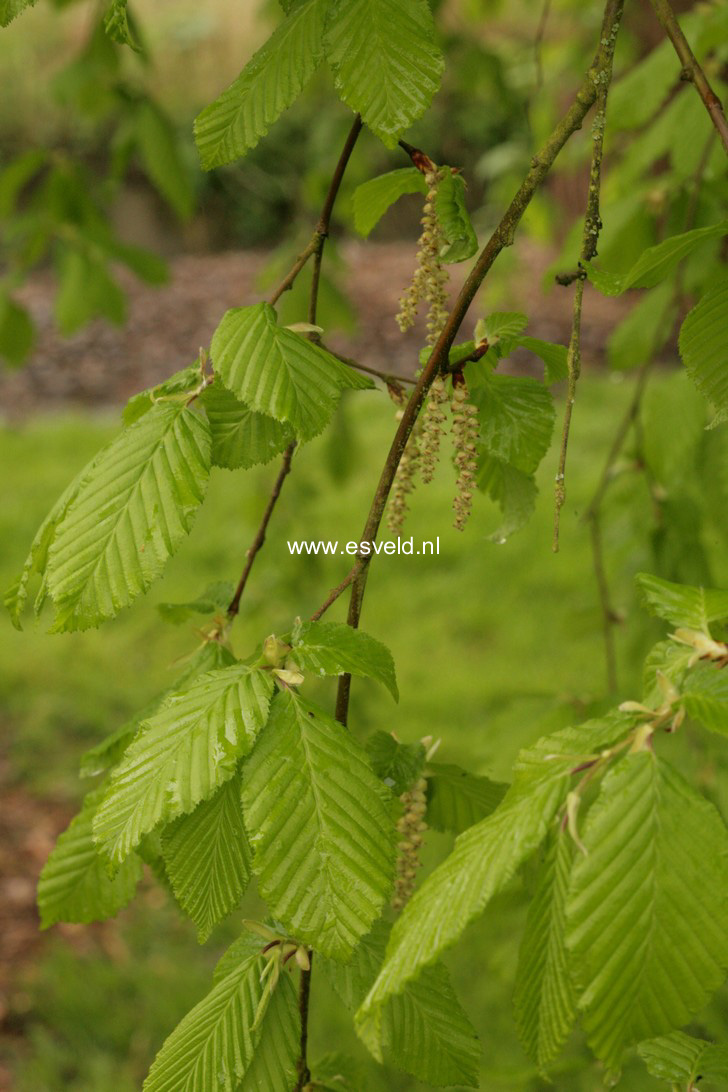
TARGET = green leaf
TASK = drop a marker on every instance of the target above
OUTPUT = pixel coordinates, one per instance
(652, 885)
(665, 658)
(210, 657)
(423, 1030)
(85, 289)
(116, 25)
(10, 8)
(682, 1058)
(387, 65)
(682, 604)
(544, 1001)
(132, 509)
(516, 419)
(278, 372)
(214, 599)
(487, 855)
(270, 82)
(513, 490)
(500, 326)
(320, 830)
(17, 332)
(161, 158)
(553, 355)
(457, 799)
(705, 697)
(331, 648)
(186, 380)
(207, 858)
(454, 219)
(274, 1063)
(240, 436)
(655, 263)
(644, 331)
(74, 885)
(703, 338)
(337, 1073)
(182, 754)
(372, 199)
(214, 1046)
(397, 764)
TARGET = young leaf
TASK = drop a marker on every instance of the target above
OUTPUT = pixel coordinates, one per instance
(682, 604)
(241, 438)
(74, 885)
(10, 8)
(513, 490)
(188, 379)
(17, 332)
(331, 648)
(544, 1001)
(516, 419)
(553, 356)
(486, 856)
(644, 331)
(652, 885)
(278, 372)
(214, 598)
(116, 25)
(270, 82)
(214, 1046)
(386, 63)
(454, 219)
(423, 1030)
(397, 764)
(210, 657)
(274, 1063)
(500, 326)
(130, 513)
(655, 263)
(678, 1057)
(457, 799)
(207, 858)
(321, 833)
(182, 754)
(372, 199)
(703, 339)
(705, 698)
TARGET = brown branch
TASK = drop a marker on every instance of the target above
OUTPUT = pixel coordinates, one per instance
(502, 237)
(336, 592)
(386, 377)
(589, 240)
(691, 67)
(303, 1073)
(259, 539)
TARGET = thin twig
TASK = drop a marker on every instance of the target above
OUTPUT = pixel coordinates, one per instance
(336, 592)
(386, 377)
(303, 1073)
(692, 69)
(502, 237)
(259, 539)
(589, 240)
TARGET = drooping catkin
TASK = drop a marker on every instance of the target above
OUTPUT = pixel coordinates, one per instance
(465, 436)
(403, 484)
(410, 828)
(432, 421)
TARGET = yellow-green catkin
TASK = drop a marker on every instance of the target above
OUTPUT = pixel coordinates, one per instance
(429, 281)
(404, 483)
(465, 436)
(432, 425)
(410, 829)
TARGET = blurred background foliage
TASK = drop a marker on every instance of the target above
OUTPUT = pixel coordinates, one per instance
(494, 644)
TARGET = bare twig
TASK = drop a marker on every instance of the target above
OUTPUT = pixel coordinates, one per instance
(303, 1073)
(502, 237)
(386, 377)
(691, 67)
(336, 592)
(590, 238)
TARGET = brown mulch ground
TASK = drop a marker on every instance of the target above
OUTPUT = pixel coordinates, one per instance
(105, 365)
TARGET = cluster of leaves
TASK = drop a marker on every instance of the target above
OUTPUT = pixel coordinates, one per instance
(53, 207)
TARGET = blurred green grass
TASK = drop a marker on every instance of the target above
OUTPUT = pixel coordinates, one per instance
(494, 645)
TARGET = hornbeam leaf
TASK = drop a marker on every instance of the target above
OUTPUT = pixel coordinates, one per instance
(682, 604)
(397, 764)
(274, 1063)
(214, 599)
(454, 219)
(207, 858)
(241, 438)
(682, 1058)
(278, 372)
(514, 491)
(516, 419)
(487, 855)
(74, 885)
(702, 342)
(457, 799)
(647, 910)
(10, 8)
(187, 379)
(385, 59)
(132, 509)
(182, 754)
(705, 697)
(320, 830)
(270, 82)
(214, 1046)
(423, 1030)
(331, 648)
(544, 1001)
(372, 199)
(655, 263)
